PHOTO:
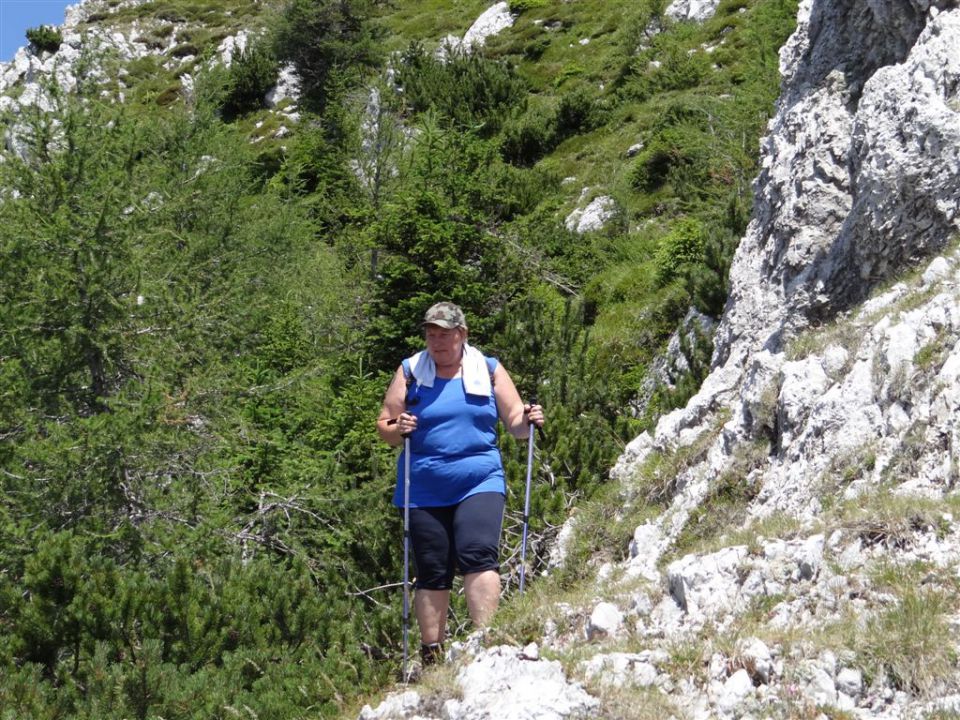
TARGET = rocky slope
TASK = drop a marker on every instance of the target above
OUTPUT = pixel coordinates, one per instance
(830, 418)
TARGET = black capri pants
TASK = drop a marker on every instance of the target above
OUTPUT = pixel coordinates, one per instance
(464, 537)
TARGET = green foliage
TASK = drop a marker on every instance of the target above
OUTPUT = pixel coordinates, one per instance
(174, 637)
(678, 154)
(329, 43)
(527, 138)
(183, 520)
(683, 245)
(251, 76)
(66, 318)
(44, 38)
(678, 70)
(464, 88)
(577, 112)
(520, 6)
(428, 259)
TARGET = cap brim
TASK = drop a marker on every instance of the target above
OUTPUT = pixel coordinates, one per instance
(440, 323)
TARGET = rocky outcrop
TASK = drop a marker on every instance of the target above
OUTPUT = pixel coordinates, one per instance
(696, 10)
(834, 387)
(861, 168)
(93, 49)
(858, 181)
(493, 20)
(499, 683)
(591, 216)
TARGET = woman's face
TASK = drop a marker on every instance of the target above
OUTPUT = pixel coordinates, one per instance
(445, 345)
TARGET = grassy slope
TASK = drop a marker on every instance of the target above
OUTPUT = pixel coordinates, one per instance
(718, 78)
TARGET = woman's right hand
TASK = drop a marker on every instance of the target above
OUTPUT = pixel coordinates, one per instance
(406, 423)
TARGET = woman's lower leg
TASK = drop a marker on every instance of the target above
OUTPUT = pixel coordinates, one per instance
(430, 607)
(482, 590)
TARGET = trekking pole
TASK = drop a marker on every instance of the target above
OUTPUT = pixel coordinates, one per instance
(406, 553)
(408, 403)
(526, 508)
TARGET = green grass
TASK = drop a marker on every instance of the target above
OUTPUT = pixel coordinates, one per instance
(880, 516)
(428, 22)
(909, 641)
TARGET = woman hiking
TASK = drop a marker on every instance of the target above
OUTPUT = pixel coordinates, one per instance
(446, 400)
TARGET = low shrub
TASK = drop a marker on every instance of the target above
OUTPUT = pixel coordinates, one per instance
(251, 77)
(45, 38)
(520, 6)
(469, 90)
(683, 245)
(527, 139)
(577, 111)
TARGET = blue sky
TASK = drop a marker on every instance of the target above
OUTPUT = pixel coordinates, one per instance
(18, 15)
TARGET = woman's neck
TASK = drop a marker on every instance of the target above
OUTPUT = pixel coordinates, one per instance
(448, 371)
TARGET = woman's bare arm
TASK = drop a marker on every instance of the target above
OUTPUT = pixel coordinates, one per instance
(394, 421)
(514, 414)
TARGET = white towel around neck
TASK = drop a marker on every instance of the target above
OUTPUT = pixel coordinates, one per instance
(474, 371)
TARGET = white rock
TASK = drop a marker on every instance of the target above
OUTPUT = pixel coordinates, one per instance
(287, 87)
(835, 359)
(938, 269)
(707, 585)
(564, 541)
(593, 217)
(499, 685)
(621, 669)
(850, 682)
(820, 688)
(757, 659)
(233, 46)
(735, 690)
(605, 622)
(492, 21)
(645, 549)
(698, 10)
(395, 705)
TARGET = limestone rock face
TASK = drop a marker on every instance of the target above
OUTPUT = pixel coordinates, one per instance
(494, 19)
(836, 365)
(860, 178)
(860, 167)
(593, 216)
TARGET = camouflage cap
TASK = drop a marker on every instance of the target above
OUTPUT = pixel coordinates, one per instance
(445, 314)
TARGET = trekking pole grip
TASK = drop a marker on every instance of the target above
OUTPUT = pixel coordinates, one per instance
(540, 432)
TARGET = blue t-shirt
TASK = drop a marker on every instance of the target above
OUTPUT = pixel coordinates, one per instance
(453, 451)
